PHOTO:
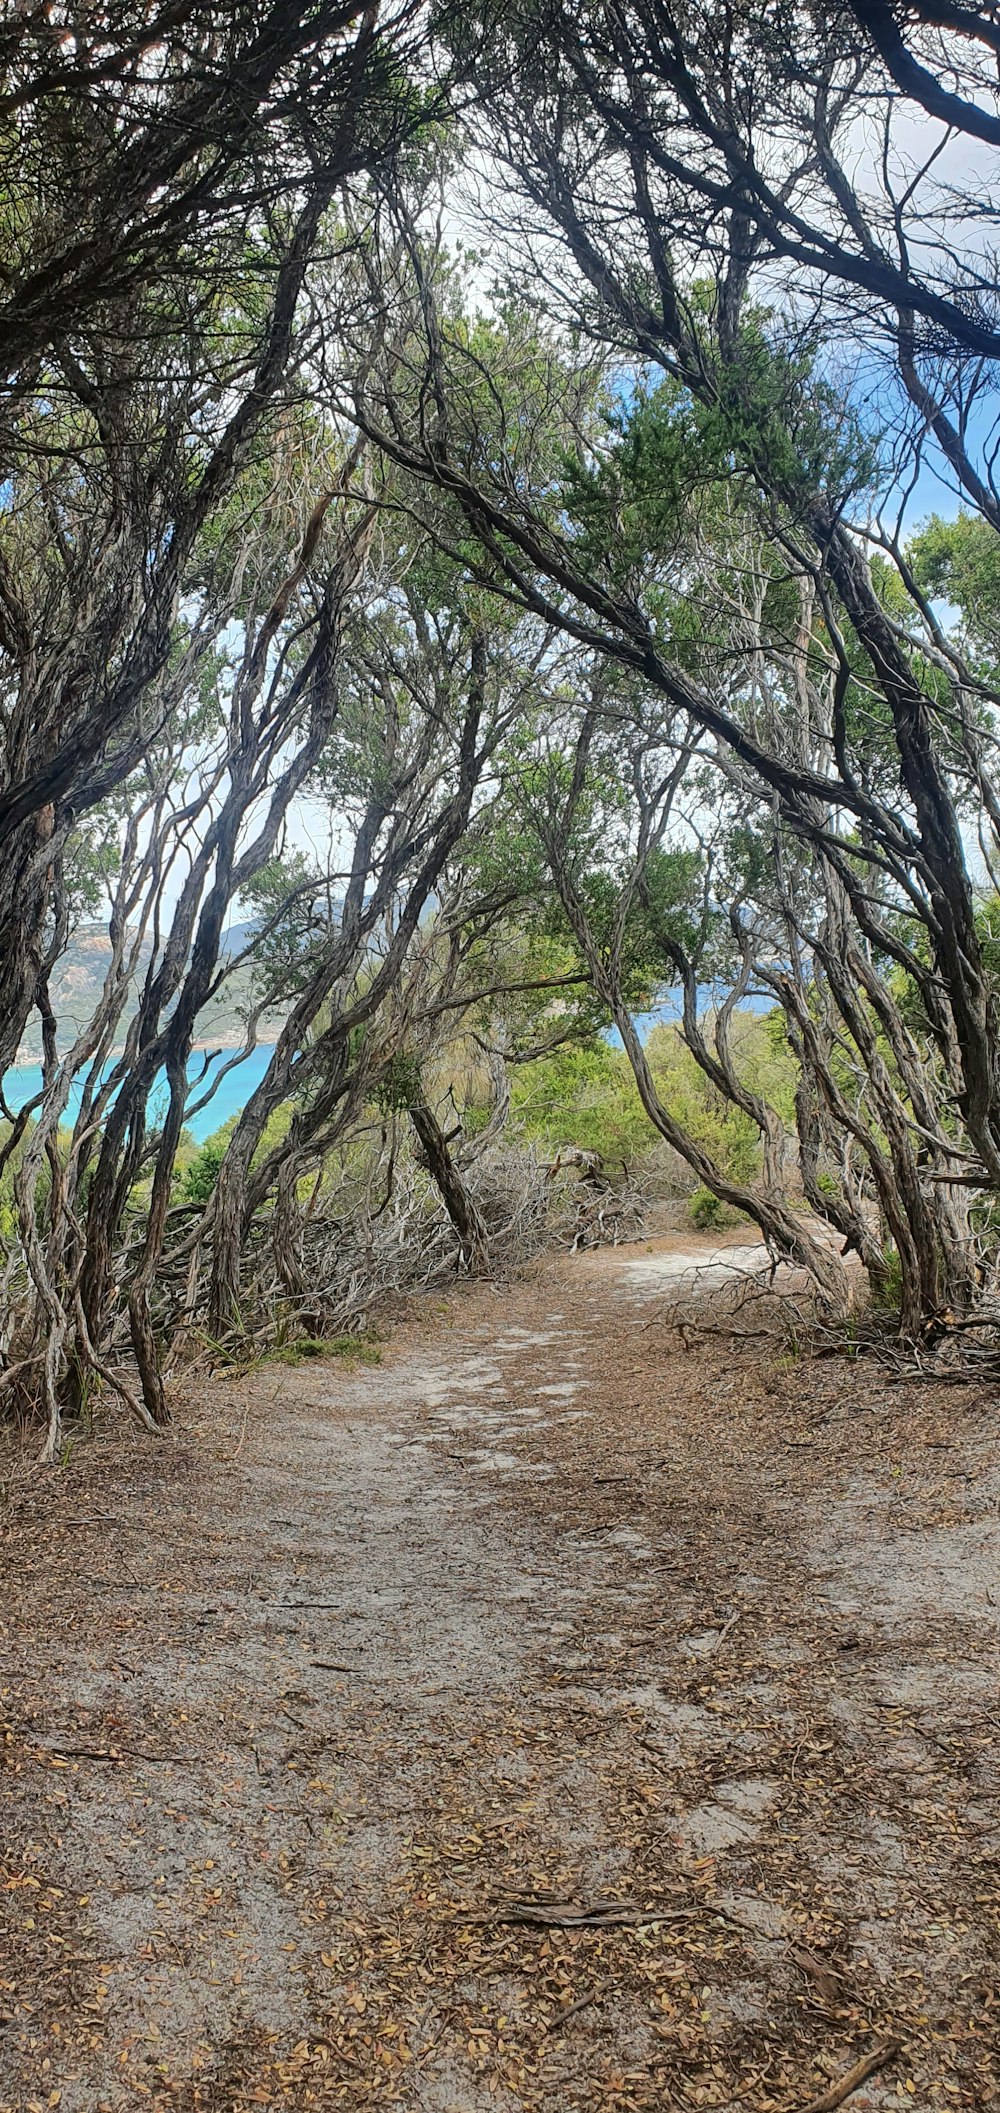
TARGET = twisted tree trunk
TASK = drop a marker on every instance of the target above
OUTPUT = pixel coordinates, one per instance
(460, 1206)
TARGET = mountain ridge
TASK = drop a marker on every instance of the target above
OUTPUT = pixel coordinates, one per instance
(78, 977)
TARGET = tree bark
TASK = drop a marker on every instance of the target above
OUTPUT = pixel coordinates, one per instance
(460, 1206)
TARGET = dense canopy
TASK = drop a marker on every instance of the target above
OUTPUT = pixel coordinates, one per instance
(497, 525)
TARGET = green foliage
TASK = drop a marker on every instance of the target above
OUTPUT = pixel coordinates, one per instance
(708, 1212)
(361, 1349)
(90, 862)
(201, 1163)
(988, 930)
(400, 1085)
(887, 1289)
(8, 1176)
(585, 1097)
(291, 901)
(666, 915)
(774, 409)
(959, 562)
(671, 464)
(706, 1114)
(203, 1172)
(636, 499)
(8, 1213)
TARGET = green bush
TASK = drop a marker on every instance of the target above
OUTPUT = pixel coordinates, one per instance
(586, 1095)
(709, 1213)
(887, 1290)
(698, 1106)
(203, 1173)
(198, 1167)
(583, 1096)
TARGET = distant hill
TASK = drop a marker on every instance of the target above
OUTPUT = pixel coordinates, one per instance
(237, 937)
(79, 976)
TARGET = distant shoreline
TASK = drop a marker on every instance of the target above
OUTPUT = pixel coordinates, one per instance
(26, 1060)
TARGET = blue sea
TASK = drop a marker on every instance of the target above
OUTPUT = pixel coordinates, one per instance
(231, 1095)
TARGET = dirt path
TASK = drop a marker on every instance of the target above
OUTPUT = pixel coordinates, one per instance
(547, 1607)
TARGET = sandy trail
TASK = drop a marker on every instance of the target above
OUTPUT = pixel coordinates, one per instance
(547, 1607)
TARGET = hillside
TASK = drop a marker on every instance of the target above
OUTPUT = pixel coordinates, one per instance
(79, 975)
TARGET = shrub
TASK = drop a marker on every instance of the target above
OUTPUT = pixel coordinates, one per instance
(709, 1213)
(203, 1173)
(887, 1288)
(583, 1096)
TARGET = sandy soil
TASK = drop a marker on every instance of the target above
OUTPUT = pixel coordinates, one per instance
(332, 1725)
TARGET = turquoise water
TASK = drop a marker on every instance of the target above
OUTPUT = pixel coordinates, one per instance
(232, 1094)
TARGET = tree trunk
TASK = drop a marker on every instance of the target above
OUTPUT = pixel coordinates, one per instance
(458, 1203)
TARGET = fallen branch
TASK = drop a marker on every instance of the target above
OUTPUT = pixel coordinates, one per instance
(616, 1914)
(583, 2002)
(595, 1915)
(117, 1753)
(723, 1633)
(877, 2059)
